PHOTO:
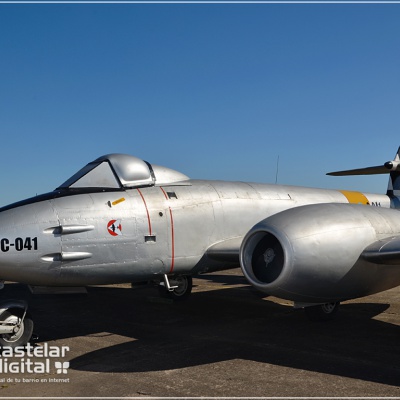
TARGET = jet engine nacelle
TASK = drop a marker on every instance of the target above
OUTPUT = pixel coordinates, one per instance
(323, 253)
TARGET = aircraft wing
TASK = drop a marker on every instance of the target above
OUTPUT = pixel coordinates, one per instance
(386, 251)
(227, 250)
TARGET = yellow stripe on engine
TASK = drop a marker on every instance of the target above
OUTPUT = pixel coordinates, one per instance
(355, 197)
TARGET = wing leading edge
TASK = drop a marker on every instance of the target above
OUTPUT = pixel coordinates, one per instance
(227, 250)
(386, 251)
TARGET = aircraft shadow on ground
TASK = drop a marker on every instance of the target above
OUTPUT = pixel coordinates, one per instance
(219, 325)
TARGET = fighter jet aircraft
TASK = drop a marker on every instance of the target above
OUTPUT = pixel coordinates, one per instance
(121, 219)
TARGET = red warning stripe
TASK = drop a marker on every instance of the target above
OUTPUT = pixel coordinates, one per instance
(172, 235)
(147, 211)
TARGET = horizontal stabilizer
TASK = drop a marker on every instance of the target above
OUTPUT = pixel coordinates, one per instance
(379, 169)
(228, 250)
(387, 168)
(385, 251)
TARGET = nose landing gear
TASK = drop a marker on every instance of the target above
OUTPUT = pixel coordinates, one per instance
(16, 325)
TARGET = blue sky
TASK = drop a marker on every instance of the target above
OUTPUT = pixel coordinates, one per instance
(215, 91)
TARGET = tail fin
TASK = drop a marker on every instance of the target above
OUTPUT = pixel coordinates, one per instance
(390, 167)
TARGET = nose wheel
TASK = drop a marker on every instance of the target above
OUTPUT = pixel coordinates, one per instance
(16, 328)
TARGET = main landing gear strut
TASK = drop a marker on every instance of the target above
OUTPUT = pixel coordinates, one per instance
(177, 287)
(322, 312)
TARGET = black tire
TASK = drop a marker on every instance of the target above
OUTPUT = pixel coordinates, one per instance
(182, 292)
(322, 312)
(20, 338)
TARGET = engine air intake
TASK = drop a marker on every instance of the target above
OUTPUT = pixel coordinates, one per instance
(268, 259)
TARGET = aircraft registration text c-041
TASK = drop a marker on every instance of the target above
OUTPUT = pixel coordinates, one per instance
(19, 244)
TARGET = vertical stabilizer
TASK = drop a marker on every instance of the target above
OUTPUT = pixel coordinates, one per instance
(393, 189)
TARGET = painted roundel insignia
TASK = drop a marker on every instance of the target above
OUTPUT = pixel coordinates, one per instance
(115, 227)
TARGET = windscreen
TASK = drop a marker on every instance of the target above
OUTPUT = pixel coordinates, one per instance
(93, 175)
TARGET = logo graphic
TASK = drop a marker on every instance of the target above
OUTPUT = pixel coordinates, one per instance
(62, 367)
(115, 227)
(34, 360)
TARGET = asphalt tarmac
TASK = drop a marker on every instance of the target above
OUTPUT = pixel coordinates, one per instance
(225, 341)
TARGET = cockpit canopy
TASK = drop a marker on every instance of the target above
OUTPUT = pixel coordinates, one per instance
(115, 171)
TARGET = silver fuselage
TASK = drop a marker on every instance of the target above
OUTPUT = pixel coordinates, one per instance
(138, 234)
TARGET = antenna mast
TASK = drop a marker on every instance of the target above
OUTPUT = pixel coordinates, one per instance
(277, 170)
